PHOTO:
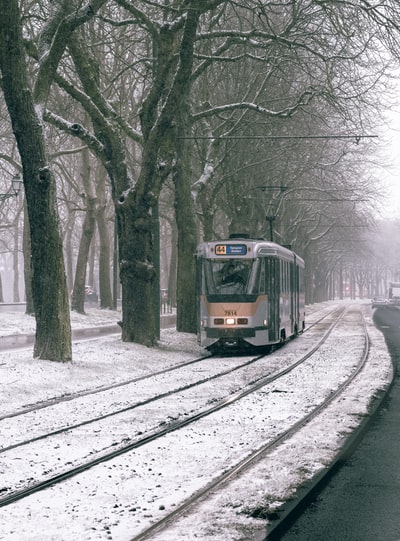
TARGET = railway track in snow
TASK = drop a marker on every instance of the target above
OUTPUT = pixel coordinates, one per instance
(219, 482)
(30, 485)
(105, 329)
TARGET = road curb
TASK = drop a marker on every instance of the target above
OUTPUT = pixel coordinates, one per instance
(16, 341)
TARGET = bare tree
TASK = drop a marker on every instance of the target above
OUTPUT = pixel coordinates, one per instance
(50, 296)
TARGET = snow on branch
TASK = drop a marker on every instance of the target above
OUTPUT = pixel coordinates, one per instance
(304, 99)
(77, 130)
(102, 111)
(204, 179)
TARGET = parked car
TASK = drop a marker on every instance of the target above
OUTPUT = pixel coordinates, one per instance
(379, 300)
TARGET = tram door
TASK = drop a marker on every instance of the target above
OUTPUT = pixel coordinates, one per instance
(273, 289)
(294, 289)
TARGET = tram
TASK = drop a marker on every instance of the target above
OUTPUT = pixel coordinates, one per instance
(250, 294)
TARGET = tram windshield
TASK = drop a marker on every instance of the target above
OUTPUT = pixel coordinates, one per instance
(230, 276)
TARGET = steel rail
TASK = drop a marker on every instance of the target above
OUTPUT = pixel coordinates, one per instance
(265, 380)
(73, 396)
(254, 457)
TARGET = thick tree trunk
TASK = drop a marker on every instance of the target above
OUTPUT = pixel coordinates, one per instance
(186, 319)
(186, 316)
(136, 272)
(53, 330)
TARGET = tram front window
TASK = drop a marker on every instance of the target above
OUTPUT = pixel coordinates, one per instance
(227, 277)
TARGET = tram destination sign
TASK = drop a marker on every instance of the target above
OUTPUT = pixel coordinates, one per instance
(230, 249)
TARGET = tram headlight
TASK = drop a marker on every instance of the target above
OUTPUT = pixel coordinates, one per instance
(265, 322)
(230, 321)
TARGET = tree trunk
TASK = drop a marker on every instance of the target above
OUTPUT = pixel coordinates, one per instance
(186, 318)
(27, 264)
(16, 261)
(173, 266)
(78, 295)
(106, 300)
(49, 289)
(69, 229)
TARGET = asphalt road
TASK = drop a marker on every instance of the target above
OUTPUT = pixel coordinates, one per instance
(362, 500)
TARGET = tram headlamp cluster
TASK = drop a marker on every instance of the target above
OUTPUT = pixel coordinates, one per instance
(231, 321)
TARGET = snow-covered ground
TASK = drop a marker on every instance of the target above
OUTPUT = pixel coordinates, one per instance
(116, 500)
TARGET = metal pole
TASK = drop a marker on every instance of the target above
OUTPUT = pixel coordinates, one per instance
(115, 264)
(156, 260)
(270, 220)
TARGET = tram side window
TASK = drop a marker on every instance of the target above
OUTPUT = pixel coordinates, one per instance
(292, 277)
(208, 281)
(273, 276)
(261, 277)
(301, 280)
(285, 277)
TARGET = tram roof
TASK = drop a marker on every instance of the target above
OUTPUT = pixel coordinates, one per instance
(239, 247)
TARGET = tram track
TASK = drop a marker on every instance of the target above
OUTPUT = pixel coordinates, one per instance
(59, 400)
(158, 433)
(103, 388)
(218, 483)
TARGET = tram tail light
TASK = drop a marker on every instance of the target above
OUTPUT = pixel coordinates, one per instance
(242, 321)
(219, 321)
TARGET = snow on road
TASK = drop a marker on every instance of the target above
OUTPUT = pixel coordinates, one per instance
(117, 499)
